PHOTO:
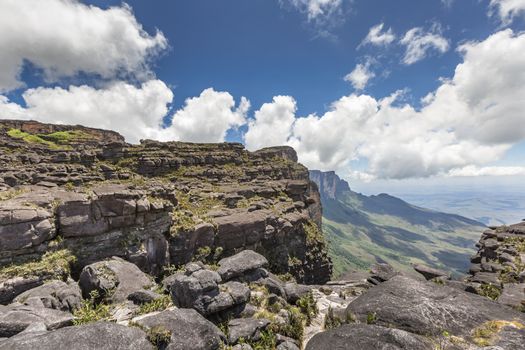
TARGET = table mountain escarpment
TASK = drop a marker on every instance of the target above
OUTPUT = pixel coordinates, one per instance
(89, 193)
(363, 230)
(104, 244)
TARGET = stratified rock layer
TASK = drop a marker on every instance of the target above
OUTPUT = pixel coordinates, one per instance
(498, 268)
(154, 204)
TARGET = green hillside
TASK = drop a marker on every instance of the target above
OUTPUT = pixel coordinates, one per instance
(363, 230)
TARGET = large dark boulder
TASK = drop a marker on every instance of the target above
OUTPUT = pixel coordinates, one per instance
(430, 272)
(115, 278)
(16, 318)
(99, 335)
(296, 291)
(188, 329)
(427, 308)
(367, 337)
(54, 295)
(201, 290)
(12, 287)
(241, 263)
(380, 273)
(248, 329)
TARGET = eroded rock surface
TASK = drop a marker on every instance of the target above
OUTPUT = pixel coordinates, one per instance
(100, 335)
(154, 204)
(368, 337)
(427, 308)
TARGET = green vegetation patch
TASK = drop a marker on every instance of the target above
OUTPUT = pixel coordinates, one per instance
(188, 212)
(490, 291)
(55, 140)
(91, 311)
(159, 304)
(53, 264)
(313, 233)
(485, 334)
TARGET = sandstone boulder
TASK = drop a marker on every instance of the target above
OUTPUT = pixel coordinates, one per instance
(99, 335)
(429, 272)
(368, 337)
(54, 295)
(427, 308)
(241, 263)
(248, 329)
(115, 278)
(188, 329)
(16, 318)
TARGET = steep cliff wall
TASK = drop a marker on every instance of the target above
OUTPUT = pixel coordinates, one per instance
(155, 204)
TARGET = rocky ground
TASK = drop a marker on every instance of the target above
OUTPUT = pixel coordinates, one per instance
(107, 245)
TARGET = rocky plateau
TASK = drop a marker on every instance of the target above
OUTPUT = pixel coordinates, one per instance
(109, 245)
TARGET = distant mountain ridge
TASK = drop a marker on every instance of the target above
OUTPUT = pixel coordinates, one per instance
(367, 229)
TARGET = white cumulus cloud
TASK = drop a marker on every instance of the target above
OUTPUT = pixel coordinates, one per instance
(135, 112)
(466, 124)
(361, 75)
(418, 43)
(376, 36)
(207, 118)
(65, 37)
(272, 123)
(473, 170)
(507, 10)
(316, 8)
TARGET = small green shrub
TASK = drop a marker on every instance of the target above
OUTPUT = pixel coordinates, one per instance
(55, 264)
(308, 306)
(295, 327)
(267, 341)
(156, 305)
(332, 321)
(159, 336)
(313, 233)
(91, 311)
(371, 318)
(490, 291)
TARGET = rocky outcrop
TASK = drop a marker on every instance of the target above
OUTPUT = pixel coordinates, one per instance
(427, 308)
(155, 204)
(186, 329)
(100, 335)
(498, 268)
(330, 185)
(54, 295)
(116, 279)
(362, 336)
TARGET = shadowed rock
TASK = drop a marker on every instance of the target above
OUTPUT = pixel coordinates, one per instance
(427, 308)
(16, 318)
(188, 329)
(367, 337)
(117, 276)
(99, 335)
(54, 295)
(429, 272)
(239, 264)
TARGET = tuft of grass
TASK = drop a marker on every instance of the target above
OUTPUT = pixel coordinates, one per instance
(91, 311)
(331, 321)
(159, 336)
(371, 318)
(313, 234)
(159, 304)
(490, 291)
(55, 264)
(485, 334)
(308, 307)
(4, 196)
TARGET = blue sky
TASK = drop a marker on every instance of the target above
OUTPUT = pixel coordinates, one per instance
(132, 67)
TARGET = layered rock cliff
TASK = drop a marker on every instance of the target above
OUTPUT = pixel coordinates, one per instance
(88, 192)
